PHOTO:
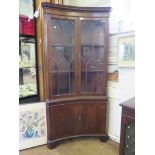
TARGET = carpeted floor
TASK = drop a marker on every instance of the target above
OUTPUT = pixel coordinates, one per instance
(82, 146)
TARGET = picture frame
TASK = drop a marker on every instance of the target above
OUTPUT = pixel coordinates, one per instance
(126, 51)
(25, 52)
(33, 125)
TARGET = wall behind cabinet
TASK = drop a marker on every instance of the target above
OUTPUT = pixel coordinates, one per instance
(87, 2)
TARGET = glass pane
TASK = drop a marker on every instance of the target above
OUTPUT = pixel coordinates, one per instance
(98, 33)
(27, 70)
(20, 77)
(91, 81)
(28, 84)
(100, 82)
(27, 53)
(68, 53)
(56, 32)
(86, 32)
(98, 53)
(55, 79)
(86, 53)
(83, 76)
(58, 53)
(72, 82)
(29, 75)
(68, 32)
(63, 83)
(63, 64)
(92, 56)
(92, 66)
(60, 80)
(69, 57)
(98, 58)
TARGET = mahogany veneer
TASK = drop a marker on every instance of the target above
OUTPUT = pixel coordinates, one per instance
(75, 61)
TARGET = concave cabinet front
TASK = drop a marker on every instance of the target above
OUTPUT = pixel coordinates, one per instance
(75, 69)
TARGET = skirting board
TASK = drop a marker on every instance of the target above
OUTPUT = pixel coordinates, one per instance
(114, 138)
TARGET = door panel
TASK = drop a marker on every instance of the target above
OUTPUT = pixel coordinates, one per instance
(63, 121)
(92, 56)
(62, 61)
(92, 118)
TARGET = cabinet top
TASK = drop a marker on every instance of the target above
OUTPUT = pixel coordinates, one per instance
(75, 8)
(129, 103)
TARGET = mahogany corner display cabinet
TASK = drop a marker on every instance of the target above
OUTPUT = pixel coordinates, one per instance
(75, 63)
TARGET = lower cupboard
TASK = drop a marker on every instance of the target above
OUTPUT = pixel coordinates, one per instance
(69, 119)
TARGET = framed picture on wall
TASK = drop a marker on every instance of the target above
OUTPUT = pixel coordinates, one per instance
(126, 51)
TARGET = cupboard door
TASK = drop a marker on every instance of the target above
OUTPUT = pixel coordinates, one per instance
(63, 121)
(62, 56)
(92, 56)
(92, 118)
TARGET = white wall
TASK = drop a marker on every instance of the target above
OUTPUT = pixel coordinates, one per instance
(118, 91)
(66, 2)
(87, 2)
(122, 16)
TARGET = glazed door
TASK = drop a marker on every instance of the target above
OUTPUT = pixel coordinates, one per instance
(92, 118)
(61, 52)
(92, 57)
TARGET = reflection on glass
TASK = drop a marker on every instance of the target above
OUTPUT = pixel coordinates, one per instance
(86, 32)
(63, 78)
(86, 52)
(29, 75)
(98, 52)
(27, 70)
(58, 52)
(68, 29)
(92, 56)
(92, 81)
(68, 53)
(98, 34)
(56, 32)
(27, 53)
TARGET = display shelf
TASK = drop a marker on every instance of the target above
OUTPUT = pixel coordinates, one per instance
(92, 45)
(26, 36)
(62, 44)
(26, 66)
(28, 79)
